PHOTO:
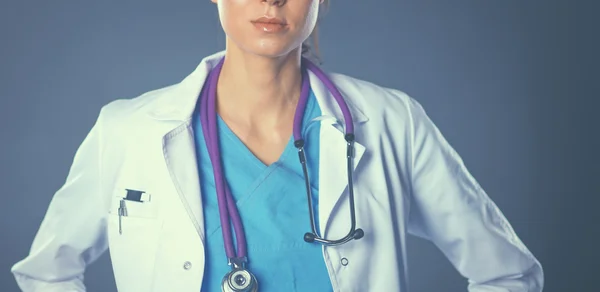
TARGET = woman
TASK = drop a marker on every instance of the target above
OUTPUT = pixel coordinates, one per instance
(159, 176)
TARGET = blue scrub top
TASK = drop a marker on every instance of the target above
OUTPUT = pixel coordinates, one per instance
(273, 207)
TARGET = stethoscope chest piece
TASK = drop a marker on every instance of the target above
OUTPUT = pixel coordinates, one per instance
(239, 280)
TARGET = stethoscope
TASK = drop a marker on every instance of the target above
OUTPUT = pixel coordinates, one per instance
(240, 278)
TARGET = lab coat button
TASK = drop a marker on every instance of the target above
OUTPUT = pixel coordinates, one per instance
(344, 262)
(187, 265)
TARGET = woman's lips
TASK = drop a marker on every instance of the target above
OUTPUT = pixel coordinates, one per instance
(270, 25)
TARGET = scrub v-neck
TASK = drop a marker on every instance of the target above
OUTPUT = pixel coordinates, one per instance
(272, 204)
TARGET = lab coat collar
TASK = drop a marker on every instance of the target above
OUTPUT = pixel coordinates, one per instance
(179, 103)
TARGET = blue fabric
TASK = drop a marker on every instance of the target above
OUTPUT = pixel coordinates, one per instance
(274, 209)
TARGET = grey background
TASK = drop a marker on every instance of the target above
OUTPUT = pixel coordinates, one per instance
(511, 84)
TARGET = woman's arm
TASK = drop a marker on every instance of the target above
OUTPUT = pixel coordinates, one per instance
(450, 209)
(72, 233)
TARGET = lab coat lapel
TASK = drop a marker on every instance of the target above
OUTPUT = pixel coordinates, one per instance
(180, 157)
(333, 177)
(179, 149)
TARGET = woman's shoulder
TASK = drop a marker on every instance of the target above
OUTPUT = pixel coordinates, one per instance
(376, 100)
(123, 118)
(132, 107)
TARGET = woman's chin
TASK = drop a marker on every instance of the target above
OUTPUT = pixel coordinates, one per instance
(272, 50)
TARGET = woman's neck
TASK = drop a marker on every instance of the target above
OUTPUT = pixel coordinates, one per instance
(258, 89)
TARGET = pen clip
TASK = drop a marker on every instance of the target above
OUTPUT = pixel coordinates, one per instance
(122, 212)
(122, 208)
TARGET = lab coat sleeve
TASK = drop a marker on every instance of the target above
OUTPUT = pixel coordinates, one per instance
(72, 233)
(449, 208)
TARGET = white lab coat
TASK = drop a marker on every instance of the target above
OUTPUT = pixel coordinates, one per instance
(407, 179)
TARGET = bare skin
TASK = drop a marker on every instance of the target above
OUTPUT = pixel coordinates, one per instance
(259, 108)
(260, 82)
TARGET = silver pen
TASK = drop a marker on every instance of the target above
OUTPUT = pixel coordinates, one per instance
(122, 212)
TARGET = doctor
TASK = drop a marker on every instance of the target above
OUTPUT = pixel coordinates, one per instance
(238, 178)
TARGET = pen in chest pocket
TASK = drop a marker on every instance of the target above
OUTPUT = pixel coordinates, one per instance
(122, 212)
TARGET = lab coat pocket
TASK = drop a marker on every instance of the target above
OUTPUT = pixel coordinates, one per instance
(133, 244)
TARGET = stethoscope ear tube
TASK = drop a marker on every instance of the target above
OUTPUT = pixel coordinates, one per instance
(354, 233)
(311, 237)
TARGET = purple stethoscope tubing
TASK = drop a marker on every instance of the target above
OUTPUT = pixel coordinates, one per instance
(227, 208)
(226, 203)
